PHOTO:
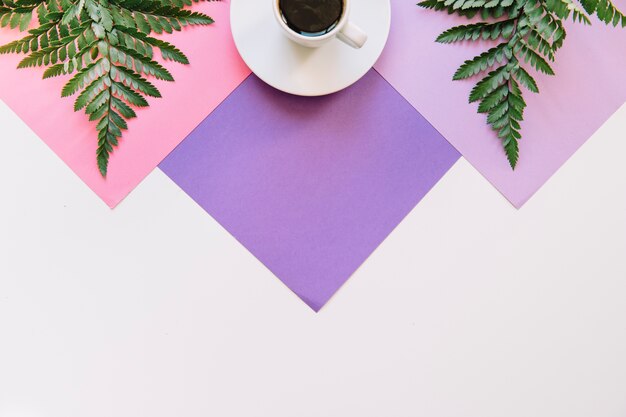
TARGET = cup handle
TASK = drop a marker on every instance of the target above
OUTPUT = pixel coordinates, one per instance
(352, 35)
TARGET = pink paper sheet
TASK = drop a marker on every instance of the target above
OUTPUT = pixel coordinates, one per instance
(215, 71)
(587, 89)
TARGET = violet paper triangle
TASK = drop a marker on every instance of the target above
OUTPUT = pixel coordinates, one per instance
(311, 185)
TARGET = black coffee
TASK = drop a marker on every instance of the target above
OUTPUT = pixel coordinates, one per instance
(311, 17)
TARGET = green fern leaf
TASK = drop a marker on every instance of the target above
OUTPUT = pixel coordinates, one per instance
(481, 63)
(54, 71)
(106, 47)
(490, 83)
(533, 58)
(78, 81)
(168, 51)
(90, 92)
(492, 99)
(526, 79)
(131, 59)
(131, 96)
(124, 109)
(133, 80)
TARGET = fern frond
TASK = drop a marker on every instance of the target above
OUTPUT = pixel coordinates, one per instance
(537, 42)
(476, 31)
(531, 35)
(526, 79)
(132, 59)
(105, 49)
(153, 16)
(131, 96)
(16, 17)
(532, 57)
(134, 80)
(84, 76)
(489, 84)
(605, 11)
(482, 62)
(578, 13)
(55, 71)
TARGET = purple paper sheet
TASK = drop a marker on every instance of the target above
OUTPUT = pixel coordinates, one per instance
(311, 186)
(587, 89)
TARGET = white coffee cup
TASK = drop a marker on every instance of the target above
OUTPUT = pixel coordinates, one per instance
(344, 30)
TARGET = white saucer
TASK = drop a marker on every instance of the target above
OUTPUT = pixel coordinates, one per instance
(295, 69)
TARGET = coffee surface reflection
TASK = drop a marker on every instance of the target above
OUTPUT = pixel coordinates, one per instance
(311, 17)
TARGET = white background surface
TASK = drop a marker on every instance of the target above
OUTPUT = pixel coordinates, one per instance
(469, 309)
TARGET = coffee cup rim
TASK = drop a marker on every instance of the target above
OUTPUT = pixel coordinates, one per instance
(331, 34)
